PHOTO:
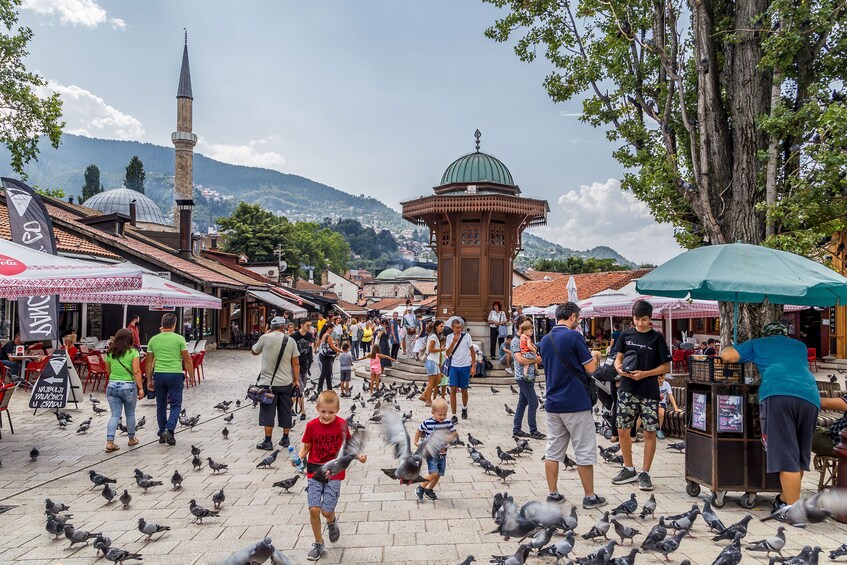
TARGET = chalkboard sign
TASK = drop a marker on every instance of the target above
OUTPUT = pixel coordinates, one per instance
(51, 389)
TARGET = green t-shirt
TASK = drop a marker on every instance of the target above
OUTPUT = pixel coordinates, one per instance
(167, 348)
(121, 371)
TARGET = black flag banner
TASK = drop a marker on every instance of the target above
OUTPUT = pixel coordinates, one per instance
(31, 226)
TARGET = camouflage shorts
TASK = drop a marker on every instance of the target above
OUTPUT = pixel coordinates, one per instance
(632, 407)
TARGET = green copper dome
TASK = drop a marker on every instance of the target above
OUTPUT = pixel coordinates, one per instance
(477, 167)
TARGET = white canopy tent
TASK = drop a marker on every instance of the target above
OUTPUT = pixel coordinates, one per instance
(155, 291)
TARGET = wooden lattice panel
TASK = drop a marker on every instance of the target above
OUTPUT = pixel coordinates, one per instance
(469, 276)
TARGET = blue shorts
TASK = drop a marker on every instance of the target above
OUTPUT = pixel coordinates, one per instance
(323, 495)
(460, 377)
(432, 367)
(437, 464)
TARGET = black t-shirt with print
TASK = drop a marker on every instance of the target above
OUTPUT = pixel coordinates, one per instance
(653, 352)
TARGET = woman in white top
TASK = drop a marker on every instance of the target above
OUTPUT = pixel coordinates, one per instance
(496, 319)
(434, 349)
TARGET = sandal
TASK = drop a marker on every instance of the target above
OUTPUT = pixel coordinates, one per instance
(111, 448)
(132, 441)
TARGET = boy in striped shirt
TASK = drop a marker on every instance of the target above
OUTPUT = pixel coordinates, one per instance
(437, 465)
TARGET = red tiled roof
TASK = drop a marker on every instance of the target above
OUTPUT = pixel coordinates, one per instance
(387, 304)
(534, 275)
(426, 288)
(352, 308)
(545, 293)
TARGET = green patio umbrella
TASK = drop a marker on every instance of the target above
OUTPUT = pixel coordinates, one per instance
(738, 272)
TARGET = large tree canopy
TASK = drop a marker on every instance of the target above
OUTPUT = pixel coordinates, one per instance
(730, 116)
(25, 117)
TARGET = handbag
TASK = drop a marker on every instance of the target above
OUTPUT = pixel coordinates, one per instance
(589, 384)
(502, 331)
(263, 394)
(445, 367)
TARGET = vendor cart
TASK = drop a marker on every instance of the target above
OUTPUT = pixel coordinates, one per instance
(723, 439)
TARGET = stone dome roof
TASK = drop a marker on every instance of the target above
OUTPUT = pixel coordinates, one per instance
(477, 167)
(416, 273)
(388, 274)
(116, 200)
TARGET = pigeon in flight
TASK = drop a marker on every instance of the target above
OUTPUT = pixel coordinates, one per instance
(409, 468)
(350, 450)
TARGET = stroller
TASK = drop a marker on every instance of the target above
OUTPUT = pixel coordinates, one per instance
(605, 377)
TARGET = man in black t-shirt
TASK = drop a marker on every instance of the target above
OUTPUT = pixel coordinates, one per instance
(304, 340)
(7, 351)
(641, 356)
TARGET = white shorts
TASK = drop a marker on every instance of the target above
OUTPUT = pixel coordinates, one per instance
(572, 426)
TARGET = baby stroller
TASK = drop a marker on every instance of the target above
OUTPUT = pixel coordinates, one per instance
(605, 377)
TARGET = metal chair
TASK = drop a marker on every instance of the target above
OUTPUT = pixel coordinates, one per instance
(96, 372)
(6, 392)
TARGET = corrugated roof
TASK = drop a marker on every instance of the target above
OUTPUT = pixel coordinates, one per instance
(545, 293)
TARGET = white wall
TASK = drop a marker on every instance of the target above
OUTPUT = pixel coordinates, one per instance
(346, 290)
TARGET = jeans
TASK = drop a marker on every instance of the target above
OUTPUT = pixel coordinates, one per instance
(326, 372)
(13, 366)
(168, 386)
(354, 345)
(366, 347)
(121, 395)
(527, 399)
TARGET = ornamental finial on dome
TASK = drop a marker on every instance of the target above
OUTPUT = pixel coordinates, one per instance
(477, 135)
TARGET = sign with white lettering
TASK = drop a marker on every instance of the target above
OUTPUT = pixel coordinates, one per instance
(51, 389)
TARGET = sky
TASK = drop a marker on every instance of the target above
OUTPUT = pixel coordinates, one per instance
(372, 97)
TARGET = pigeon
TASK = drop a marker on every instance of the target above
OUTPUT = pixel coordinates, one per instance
(685, 522)
(628, 559)
(468, 560)
(141, 423)
(55, 507)
(542, 538)
(519, 558)
(195, 451)
(679, 447)
(494, 390)
(560, 549)
(738, 527)
(102, 544)
(601, 557)
(839, 551)
(125, 499)
(258, 553)
(504, 457)
(711, 518)
(607, 550)
(512, 388)
(62, 519)
(176, 480)
(216, 467)
(33, 454)
(657, 534)
(350, 450)
(601, 528)
(147, 483)
(473, 441)
(150, 528)
(108, 494)
(771, 543)
(99, 411)
(199, 512)
(731, 554)
(625, 532)
(139, 474)
(649, 507)
(196, 463)
(671, 544)
(117, 555)
(628, 507)
(804, 511)
(268, 461)
(503, 473)
(802, 558)
(221, 406)
(78, 536)
(509, 411)
(287, 483)
(410, 462)
(54, 526)
(568, 463)
(520, 522)
(225, 432)
(98, 479)
(218, 499)
(92, 399)
(522, 443)
(693, 508)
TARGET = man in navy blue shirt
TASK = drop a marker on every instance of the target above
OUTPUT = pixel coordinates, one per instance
(567, 362)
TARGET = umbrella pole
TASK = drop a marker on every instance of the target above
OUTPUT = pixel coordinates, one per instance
(735, 323)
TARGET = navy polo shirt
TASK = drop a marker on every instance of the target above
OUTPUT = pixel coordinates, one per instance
(566, 390)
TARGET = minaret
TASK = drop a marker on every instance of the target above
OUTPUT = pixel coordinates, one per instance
(184, 141)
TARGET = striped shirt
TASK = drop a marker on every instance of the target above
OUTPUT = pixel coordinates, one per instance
(431, 425)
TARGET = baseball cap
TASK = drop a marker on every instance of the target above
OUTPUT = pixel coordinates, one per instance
(277, 322)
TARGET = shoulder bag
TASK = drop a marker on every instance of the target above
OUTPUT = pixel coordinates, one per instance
(325, 349)
(580, 373)
(445, 367)
(502, 331)
(263, 394)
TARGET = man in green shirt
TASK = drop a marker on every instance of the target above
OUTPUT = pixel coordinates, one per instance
(167, 359)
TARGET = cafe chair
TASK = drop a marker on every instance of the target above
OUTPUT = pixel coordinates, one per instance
(812, 358)
(33, 371)
(96, 373)
(6, 392)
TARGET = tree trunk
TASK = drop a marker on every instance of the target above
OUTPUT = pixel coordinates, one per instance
(751, 319)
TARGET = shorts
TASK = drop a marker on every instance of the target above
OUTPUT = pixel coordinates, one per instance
(345, 375)
(576, 426)
(281, 408)
(431, 368)
(323, 495)
(631, 407)
(663, 405)
(437, 464)
(460, 377)
(788, 424)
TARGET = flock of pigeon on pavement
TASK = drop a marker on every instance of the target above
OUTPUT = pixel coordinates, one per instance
(534, 524)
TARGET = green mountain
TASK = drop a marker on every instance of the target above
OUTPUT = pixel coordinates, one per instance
(296, 197)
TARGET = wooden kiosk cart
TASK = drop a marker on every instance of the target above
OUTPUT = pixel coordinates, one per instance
(723, 439)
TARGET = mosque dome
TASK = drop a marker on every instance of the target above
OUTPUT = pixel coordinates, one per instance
(388, 274)
(477, 167)
(116, 200)
(416, 273)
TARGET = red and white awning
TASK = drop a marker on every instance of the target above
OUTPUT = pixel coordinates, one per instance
(26, 272)
(155, 291)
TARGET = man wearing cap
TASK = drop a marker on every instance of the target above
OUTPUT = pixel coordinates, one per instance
(462, 364)
(280, 373)
(789, 402)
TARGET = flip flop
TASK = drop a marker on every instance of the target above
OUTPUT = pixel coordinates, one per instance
(111, 449)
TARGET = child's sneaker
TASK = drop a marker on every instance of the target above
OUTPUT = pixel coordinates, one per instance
(316, 552)
(333, 531)
(430, 494)
(419, 492)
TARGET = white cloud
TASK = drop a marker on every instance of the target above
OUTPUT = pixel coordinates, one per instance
(86, 13)
(256, 153)
(570, 114)
(88, 114)
(118, 23)
(603, 214)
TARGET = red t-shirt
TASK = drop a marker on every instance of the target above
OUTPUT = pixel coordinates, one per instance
(325, 441)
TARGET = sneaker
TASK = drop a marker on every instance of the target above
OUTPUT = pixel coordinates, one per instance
(169, 437)
(161, 438)
(625, 476)
(316, 552)
(333, 531)
(777, 503)
(557, 497)
(454, 419)
(419, 492)
(644, 482)
(285, 442)
(265, 445)
(520, 433)
(509, 371)
(302, 417)
(464, 413)
(593, 501)
(537, 435)
(660, 434)
(430, 494)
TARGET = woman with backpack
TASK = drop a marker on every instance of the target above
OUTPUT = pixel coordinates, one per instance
(327, 350)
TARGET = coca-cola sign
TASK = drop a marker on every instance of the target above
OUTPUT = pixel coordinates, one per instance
(9, 266)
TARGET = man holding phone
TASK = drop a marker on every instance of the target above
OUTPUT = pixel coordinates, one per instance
(642, 355)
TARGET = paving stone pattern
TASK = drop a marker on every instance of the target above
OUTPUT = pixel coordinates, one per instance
(380, 521)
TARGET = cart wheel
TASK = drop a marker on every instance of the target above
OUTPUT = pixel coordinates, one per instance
(692, 489)
(718, 499)
(748, 500)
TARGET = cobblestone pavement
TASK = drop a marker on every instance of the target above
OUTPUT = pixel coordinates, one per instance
(381, 521)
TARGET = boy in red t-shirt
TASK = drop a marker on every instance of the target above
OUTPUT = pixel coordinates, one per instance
(322, 440)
